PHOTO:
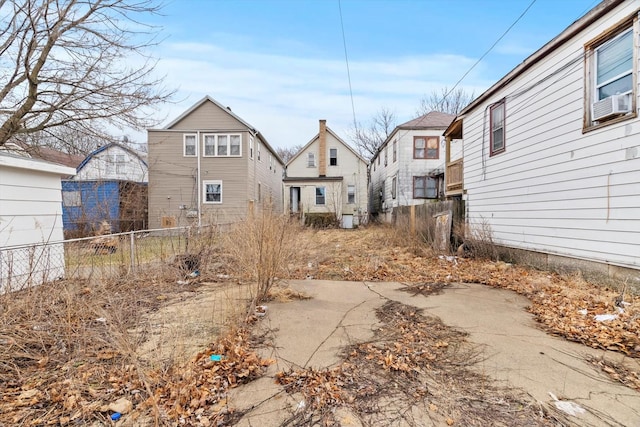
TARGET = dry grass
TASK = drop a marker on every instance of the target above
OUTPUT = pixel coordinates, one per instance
(69, 348)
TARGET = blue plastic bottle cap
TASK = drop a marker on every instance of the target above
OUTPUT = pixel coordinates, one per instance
(216, 357)
(116, 416)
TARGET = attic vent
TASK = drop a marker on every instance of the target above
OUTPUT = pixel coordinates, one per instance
(611, 106)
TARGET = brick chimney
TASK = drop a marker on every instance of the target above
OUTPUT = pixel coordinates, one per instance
(322, 155)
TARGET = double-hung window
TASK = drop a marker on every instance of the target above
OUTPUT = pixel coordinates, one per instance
(395, 151)
(394, 185)
(190, 146)
(610, 60)
(320, 195)
(333, 157)
(222, 145)
(496, 125)
(351, 194)
(426, 147)
(212, 191)
(311, 160)
(425, 187)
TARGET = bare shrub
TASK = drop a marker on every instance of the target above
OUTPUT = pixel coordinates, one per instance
(260, 249)
(478, 241)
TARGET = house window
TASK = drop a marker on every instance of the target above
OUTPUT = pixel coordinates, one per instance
(320, 195)
(270, 161)
(71, 198)
(393, 187)
(425, 187)
(251, 147)
(212, 191)
(426, 147)
(395, 151)
(497, 128)
(386, 154)
(610, 61)
(311, 160)
(333, 157)
(120, 163)
(351, 194)
(259, 192)
(259, 159)
(235, 145)
(218, 145)
(190, 146)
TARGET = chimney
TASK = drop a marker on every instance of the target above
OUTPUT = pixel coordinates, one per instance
(322, 156)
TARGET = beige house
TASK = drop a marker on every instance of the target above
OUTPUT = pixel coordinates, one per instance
(210, 166)
(327, 176)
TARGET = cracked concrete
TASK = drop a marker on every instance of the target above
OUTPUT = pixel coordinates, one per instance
(310, 333)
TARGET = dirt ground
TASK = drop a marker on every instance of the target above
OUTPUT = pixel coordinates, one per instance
(60, 364)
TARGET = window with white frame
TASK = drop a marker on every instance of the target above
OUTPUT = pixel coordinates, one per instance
(222, 145)
(351, 194)
(395, 151)
(393, 187)
(425, 187)
(611, 61)
(496, 125)
(121, 163)
(190, 146)
(333, 157)
(251, 147)
(386, 154)
(212, 191)
(311, 160)
(258, 150)
(320, 195)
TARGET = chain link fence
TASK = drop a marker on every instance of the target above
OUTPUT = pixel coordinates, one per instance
(152, 253)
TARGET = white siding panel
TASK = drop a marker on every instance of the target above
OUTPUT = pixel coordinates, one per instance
(556, 189)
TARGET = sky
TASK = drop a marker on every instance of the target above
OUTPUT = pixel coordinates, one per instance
(280, 64)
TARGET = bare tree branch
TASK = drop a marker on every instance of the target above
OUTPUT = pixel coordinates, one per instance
(445, 101)
(79, 62)
(287, 153)
(369, 138)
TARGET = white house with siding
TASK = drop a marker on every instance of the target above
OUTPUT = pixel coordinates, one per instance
(327, 176)
(408, 168)
(552, 150)
(113, 162)
(30, 220)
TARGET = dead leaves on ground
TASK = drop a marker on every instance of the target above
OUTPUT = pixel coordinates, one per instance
(414, 367)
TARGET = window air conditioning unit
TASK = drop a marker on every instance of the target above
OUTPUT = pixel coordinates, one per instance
(611, 106)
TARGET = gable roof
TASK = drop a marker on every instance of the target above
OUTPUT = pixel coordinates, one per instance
(104, 148)
(317, 136)
(431, 120)
(227, 110)
(580, 24)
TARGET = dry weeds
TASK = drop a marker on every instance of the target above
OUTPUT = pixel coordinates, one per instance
(68, 349)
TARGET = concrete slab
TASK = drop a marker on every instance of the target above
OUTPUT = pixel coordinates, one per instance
(311, 333)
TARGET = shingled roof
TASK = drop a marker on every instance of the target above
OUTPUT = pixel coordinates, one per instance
(431, 120)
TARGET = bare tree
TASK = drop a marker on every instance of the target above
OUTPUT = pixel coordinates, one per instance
(445, 100)
(369, 138)
(287, 153)
(76, 62)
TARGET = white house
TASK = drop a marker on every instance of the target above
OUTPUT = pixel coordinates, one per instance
(30, 220)
(408, 168)
(327, 177)
(113, 162)
(552, 150)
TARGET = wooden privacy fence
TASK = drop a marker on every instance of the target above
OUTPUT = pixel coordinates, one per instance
(435, 223)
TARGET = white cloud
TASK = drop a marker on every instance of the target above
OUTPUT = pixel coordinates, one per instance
(284, 96)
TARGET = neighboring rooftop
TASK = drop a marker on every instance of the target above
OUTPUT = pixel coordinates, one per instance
(433, 119)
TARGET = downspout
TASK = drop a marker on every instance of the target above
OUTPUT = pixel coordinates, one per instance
(199, 180)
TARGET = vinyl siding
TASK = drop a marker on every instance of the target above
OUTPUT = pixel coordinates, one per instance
(351, 168)
(173, 178)
(555, 189)
(101, 166)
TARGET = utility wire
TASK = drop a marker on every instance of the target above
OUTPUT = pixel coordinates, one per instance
(346, 58)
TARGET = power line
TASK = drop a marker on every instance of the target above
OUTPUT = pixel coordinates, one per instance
(346, 58)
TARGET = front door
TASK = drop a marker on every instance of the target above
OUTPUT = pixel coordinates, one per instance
(294, 199)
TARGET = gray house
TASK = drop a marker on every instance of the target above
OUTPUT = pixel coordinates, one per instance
(210, 166)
